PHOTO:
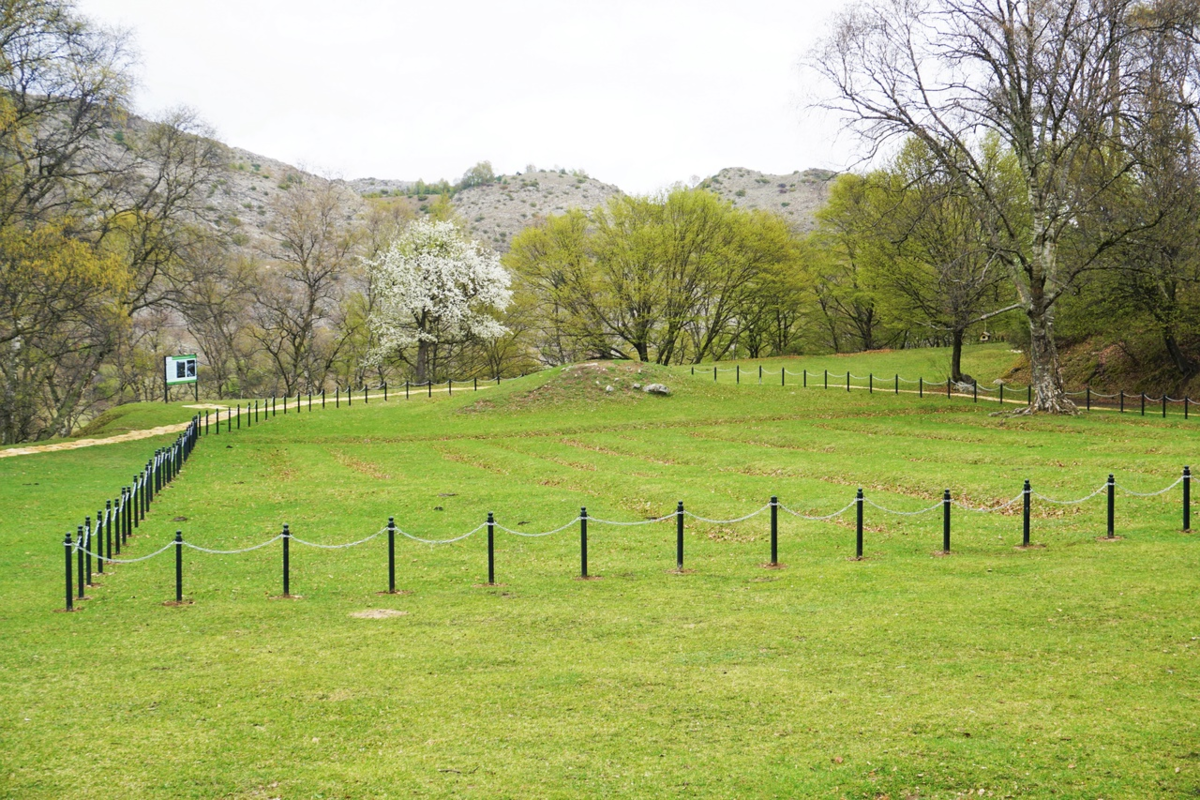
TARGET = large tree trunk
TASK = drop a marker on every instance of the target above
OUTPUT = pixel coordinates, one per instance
(956, 345)
(1045, 376)
(422, 360)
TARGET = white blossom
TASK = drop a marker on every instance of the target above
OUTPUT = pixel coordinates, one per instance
(436, 286)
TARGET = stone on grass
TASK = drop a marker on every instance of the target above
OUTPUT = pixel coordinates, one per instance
(656, 388)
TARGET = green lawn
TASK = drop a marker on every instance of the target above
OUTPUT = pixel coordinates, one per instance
(1065, 671)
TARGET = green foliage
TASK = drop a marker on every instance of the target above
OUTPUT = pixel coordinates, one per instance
(672, 278)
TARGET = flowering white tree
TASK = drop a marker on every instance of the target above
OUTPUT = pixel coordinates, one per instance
(435, 288)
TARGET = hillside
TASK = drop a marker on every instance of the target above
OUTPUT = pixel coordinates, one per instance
(796, 197)
(241, 199)
(497, 211)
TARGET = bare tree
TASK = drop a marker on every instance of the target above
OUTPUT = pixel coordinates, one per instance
(1049, 79)
(298, 307)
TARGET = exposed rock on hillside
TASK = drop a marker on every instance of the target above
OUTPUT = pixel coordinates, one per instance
(241, 200)
(796, 197)
(497, 211)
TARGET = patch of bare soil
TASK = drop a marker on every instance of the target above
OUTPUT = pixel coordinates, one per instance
(378, 613)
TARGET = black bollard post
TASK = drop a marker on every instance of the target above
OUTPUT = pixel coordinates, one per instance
(474, 384)
(1027, 495)
(693, 371)
(1122, 401)
(1112, 501)
(337, 397)
(974, 390)
(491, 544)
(285, 402)
(108, 537)
(920, 387)
(1187, 498)
(79, 559)
(70, 590)
(87, 546)
(1186, 402)
(287, 584)
(870, 383)
(946, 522)
(760, 374)
(1143, 404)
(1087, 393)
(1029, 395)
(322, 397)
(804, 378)
(679, 537)
(826, 379)
(714, 373)
(783, 376)
(1164, 404)
(1001, 394)
(119, 519)
(98, 536)
(366, 397)
(206, 427)
(847, 380)
(450, 387)
(737, 369)
(310, 398)
(178, 566)
(897, 384)
(391, 526)
(406, 390)
(774, 531)
(583, 573)
(858, 507)
(217, 414)
(429, 386)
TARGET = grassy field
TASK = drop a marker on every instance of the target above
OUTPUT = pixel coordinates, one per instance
(1070, 670)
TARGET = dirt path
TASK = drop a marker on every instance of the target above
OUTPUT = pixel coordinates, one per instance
(78, 443)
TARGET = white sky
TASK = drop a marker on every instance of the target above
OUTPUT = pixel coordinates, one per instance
(639, 94)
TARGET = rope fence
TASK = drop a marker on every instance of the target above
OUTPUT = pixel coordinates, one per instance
(90, 543)
(1122, 401)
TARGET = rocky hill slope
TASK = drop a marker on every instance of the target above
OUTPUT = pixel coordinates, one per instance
(796, 197)
(242, 198)
(498, 211)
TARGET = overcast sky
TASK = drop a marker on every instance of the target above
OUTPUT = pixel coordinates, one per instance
(639, 93)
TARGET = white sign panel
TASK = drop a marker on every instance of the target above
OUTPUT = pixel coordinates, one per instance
(180, 369)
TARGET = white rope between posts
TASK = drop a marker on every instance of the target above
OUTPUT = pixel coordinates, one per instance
(986, 509)
(1103, 486)
(536, 535)
(599, 521)
(160, 551)
(727, 521)
(837, 513)
(441, 541)
(232, 552)
(933, 507)
(1178, 481)
(298, 540)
